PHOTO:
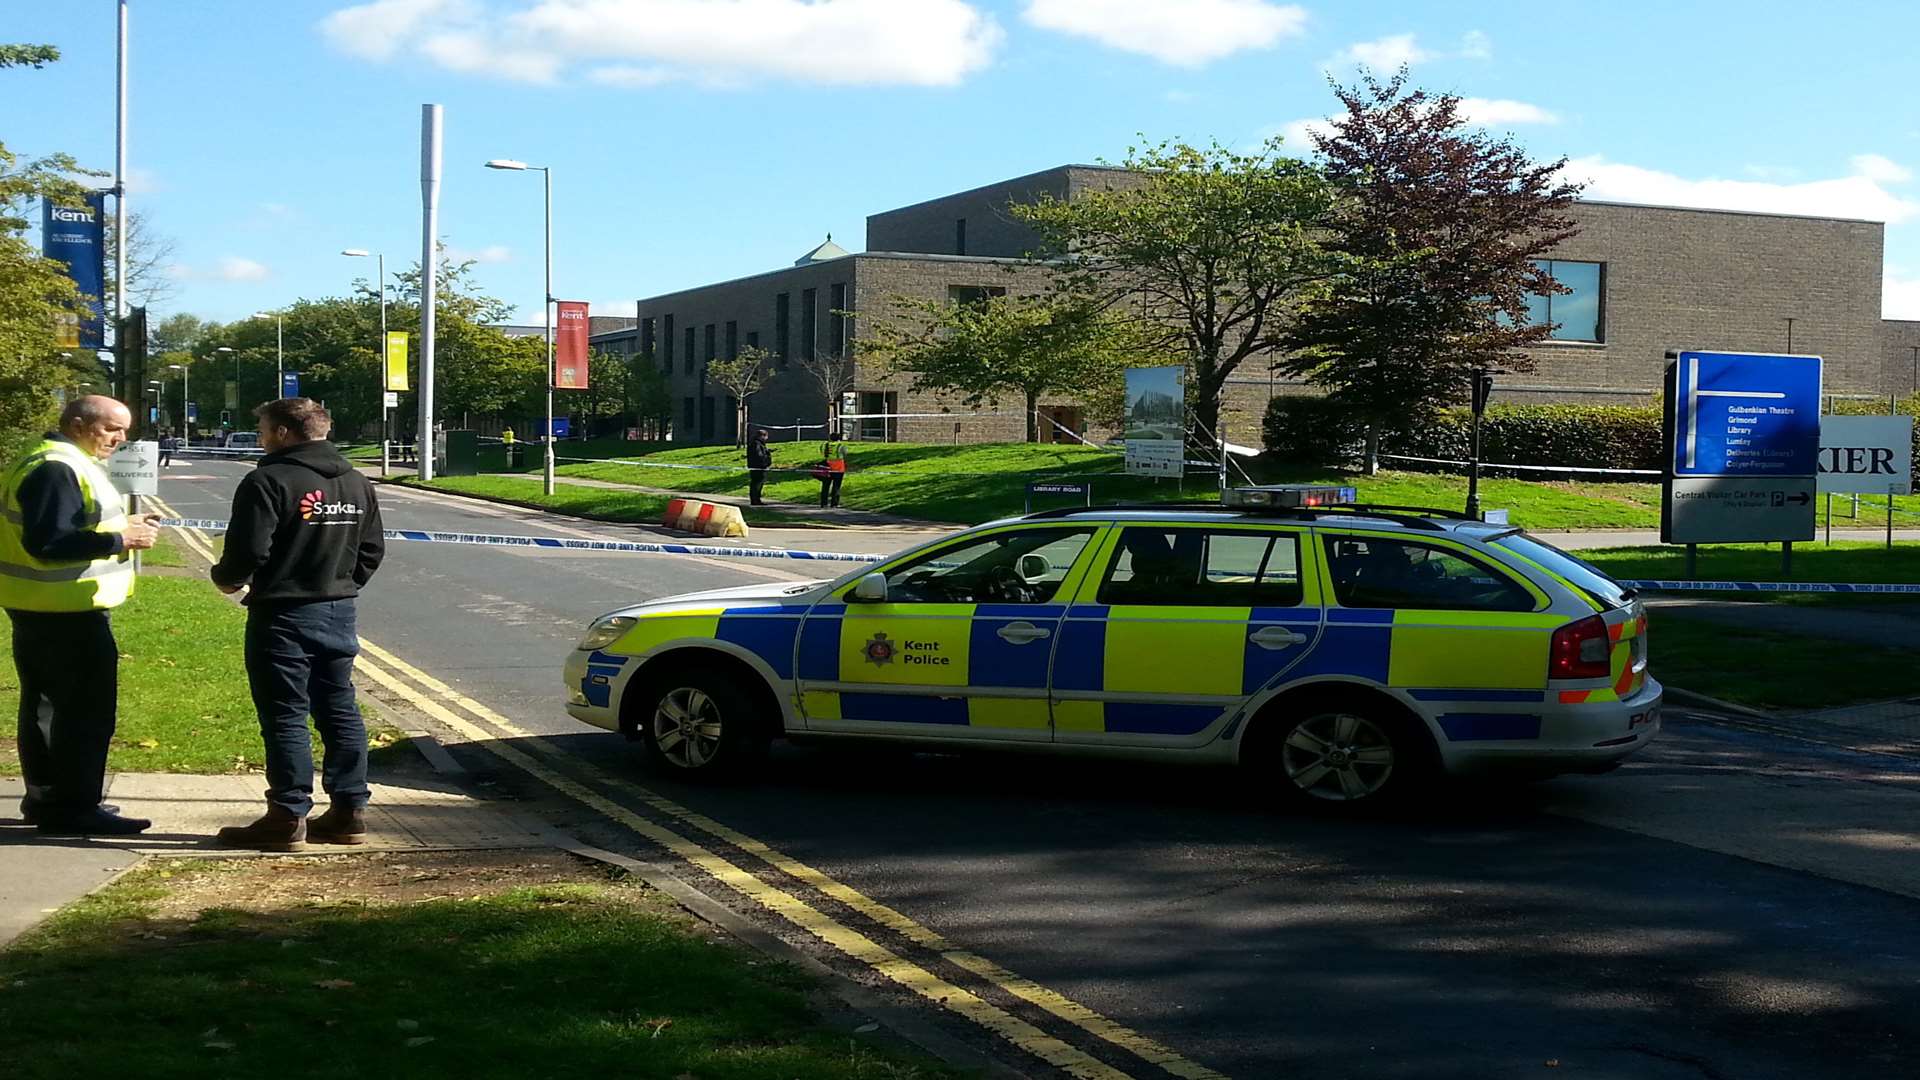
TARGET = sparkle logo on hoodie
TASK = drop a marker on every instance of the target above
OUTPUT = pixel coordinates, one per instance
(316, 510)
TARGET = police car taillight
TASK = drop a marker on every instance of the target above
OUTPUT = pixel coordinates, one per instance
(1581, 650)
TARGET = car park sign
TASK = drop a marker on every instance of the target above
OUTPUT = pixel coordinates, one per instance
(1743, 447)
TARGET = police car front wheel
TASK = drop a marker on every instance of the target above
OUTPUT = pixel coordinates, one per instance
(700, 724)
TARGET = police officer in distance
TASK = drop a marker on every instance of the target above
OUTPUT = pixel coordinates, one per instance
(305, 534)
(66, 545)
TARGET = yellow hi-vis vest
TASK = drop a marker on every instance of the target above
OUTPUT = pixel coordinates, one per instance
(30, 584)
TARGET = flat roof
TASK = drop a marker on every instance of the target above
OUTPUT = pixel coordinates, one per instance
(1000, 183)
(918, 256)
(1723, 210)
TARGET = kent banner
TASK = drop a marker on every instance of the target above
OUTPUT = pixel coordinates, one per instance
(76, 235)
(396, 361)
(570, 345)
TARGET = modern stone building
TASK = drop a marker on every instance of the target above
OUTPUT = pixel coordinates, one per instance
(1645, 279)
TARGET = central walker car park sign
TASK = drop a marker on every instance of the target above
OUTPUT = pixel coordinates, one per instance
(1742, 448)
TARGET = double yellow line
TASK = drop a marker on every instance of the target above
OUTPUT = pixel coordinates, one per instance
(489, 730)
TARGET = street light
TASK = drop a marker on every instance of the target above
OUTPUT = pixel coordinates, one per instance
(380, 353)
(186, 399)
(280, 342)
(547, 307)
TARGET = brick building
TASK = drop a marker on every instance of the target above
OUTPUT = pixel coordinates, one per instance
(1645, 279)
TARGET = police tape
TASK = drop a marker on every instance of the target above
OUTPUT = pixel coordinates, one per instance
(565, 543)
(1772, 587)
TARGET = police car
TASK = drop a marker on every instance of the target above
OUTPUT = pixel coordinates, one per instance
(1345, 652)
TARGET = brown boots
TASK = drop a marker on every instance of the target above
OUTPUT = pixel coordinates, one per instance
(339, 825)
(279, 830)
(276, 830)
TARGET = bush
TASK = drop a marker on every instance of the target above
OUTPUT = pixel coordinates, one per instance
(1318, 431)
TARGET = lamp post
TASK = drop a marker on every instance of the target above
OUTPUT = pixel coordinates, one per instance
(1482, 390)
(280, 349)
(547, 307)
(380, 353)
(186, 400)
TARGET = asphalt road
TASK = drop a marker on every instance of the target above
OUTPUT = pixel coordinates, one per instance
(1728, 905)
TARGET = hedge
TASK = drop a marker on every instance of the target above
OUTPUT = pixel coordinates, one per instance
(1316, 431)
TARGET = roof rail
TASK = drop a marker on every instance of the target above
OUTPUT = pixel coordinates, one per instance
(1420, 511)
(1419, 520)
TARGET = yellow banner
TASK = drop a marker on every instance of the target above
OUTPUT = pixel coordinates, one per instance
(396, 360)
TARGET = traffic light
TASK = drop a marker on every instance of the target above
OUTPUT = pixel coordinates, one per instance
(226, 418)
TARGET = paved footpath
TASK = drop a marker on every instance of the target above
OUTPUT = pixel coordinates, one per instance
(39, 874)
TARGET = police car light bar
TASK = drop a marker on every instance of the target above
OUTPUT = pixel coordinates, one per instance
(1287, 496)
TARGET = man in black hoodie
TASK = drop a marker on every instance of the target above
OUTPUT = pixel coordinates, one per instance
(305, 535)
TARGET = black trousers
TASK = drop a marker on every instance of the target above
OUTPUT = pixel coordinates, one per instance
(299, 664)
(756, 483)
(830, 488)
(69, 669)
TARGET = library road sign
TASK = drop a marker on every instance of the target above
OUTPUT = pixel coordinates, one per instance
(1743, 447)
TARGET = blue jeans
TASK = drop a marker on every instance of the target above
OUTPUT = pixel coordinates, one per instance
(300, 663)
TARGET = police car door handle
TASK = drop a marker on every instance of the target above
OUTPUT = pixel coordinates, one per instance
(1275, 637)
(1021, 633)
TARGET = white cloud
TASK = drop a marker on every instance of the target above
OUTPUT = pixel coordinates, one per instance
(1187, 34)
(1860, 195)
(1877, 168)
(492, 253)
(1497, 112)
(639, 43)
(230, 268)
(1899, 297)
(1180, 97)
(1391, 53)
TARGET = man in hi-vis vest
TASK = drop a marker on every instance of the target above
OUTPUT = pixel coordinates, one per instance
(66, 560)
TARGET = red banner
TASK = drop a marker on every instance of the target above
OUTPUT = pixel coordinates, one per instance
(570, 345)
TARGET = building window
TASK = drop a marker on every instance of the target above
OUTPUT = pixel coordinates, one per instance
(782, 324)
(688, 432)
(709, 356)
(809, 300)
(960, 236)
(648, 339)
(753, 339)
(733, 339)
(836, 322)
(666, 345)
(691, 360)
(1575, 316)
(973, 294)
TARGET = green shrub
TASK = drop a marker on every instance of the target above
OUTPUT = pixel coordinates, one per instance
(1317, 431)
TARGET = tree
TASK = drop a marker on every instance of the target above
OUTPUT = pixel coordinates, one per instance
(1440, 226)
(149, 252)
(742, 376)
(999, 345)
(833, 376)
(35, 292)
(652, 398)
(180, 332)
(1210, 255)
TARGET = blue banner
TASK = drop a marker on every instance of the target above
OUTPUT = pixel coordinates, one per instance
(289, 384)
(76, 235)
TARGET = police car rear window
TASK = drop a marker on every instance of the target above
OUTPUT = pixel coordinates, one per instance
(1584, 575)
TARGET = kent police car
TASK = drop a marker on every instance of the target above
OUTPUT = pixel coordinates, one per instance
(1347, 652)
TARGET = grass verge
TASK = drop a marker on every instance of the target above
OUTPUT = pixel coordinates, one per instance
(1763, 669)
(414, 965)
(602, 504)
(1856, 561)
(184, 704)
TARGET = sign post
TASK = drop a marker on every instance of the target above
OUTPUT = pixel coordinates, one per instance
(1871, 455)
(289, 384)
(134, 468)
(1743, 447)
(1156, 434)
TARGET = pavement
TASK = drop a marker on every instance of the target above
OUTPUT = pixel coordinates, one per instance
(40, 874)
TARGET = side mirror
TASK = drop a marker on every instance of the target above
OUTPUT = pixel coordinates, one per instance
(1033, 569)
(872, 589)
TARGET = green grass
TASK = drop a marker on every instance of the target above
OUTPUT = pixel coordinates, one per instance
(1763, 669)
(602, 504)
(976, 482)
(1843, 560)
(166, 551)
(184, 704)
(578, 979)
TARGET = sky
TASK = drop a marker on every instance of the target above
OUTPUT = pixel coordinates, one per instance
(694, 141)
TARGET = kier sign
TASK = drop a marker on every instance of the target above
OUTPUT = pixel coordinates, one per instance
(570, 345)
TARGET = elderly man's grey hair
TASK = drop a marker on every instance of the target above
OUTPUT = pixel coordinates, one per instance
(90, 409)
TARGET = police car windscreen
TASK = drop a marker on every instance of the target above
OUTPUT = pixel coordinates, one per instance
(1584, 575)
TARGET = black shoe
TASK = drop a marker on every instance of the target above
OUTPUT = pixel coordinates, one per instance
(30, 812)
(95, 822)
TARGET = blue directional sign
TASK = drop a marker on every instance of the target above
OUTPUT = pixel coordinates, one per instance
(193, 412)
(1746, 414)
(289, 384)
(562, 427)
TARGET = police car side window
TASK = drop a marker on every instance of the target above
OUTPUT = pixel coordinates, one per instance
(1382, 572)
(991, 571)
(1204, 568)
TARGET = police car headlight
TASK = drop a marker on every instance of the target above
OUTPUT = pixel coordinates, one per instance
(605, 632)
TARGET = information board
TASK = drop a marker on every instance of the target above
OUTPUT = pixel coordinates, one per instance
(1866, 455)
(1743, 447)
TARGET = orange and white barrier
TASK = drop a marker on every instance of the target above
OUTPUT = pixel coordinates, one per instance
(704, 518)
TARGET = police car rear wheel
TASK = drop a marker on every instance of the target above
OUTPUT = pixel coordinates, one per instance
(700, 725)
(1341, 756)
